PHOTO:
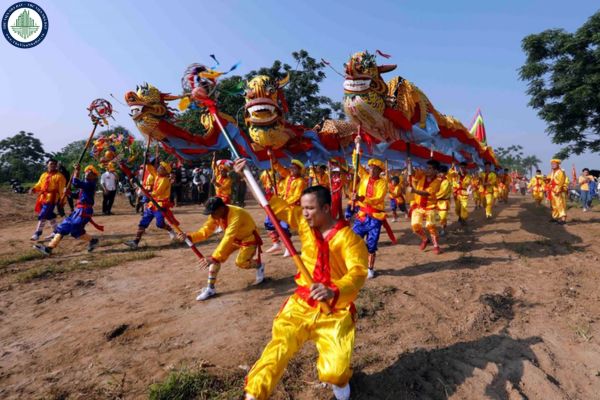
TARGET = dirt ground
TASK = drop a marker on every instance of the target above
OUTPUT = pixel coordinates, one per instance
(510, 310)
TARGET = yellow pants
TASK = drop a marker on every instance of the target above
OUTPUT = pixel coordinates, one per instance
(296, 323)
(460, 206)
(418, 216)
(477, 198)
(245, 258)
(442, 211)
(538, 197)
(489, 203)
(559, 205)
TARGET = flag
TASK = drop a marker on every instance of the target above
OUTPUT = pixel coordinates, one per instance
(574, 174)
(477, 128)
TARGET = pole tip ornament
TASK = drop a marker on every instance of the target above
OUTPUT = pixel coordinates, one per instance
(99, 111)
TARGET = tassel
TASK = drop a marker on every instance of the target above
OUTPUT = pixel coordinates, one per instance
(184, 103)
(383, 54)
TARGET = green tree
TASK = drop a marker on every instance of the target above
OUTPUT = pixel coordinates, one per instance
(118, 129)
(512, 157)
(21, 157)
(563, 74)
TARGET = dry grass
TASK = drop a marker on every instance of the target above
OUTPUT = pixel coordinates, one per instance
(87, 263)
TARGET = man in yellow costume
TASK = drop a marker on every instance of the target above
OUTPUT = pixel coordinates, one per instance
(396, 190)
(161, 191)
(443, 198)
(425, 185)
(290, 189)
(559, 184)
(222, 181)
(488, 183)
(536, 186)
(507, 180)
(461, 182)
(49, 188)
(476, 189)
(370, 198)
(239, 233)
(337, 260)
(319, 176)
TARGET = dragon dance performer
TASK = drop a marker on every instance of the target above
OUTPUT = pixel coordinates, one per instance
(425, 187)
(499, 187)
(319, 176)
(75, 223)
(338, 185)
(559, 184)
(476, 189)
(536, 186)
(488, 184)
(239, 233)
(290, 189)
(443, 198)
(370, 198)
(161, 191)
(396, 190)
(267, 181)
(222, 181)
(49, 188)
(507, 182)
(337, 258)
(461, 183)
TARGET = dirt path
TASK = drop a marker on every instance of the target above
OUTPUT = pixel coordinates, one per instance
(509, 311)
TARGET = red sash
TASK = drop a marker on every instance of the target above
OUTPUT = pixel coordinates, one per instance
(322, 271)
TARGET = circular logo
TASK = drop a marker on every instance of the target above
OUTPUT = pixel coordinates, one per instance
(24, 24)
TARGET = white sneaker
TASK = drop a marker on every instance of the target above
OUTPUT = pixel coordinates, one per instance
(275, 247)
(206, 293)
(172, 235)
(370, 273)
(585, 210)
(286, 253)
(218, 230)
(35, 237)
(394, 220)
(341, 393)
(260, 274)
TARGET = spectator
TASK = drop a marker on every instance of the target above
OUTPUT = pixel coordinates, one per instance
(584, 188)
(108, 182)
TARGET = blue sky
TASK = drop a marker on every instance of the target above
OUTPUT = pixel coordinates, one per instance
(462, 54)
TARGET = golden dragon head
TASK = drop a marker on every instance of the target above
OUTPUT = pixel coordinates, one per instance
(365, 94)
(263, 112)
(148, 106)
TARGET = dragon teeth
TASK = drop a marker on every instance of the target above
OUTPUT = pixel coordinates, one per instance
(261, 107)
(357, 85)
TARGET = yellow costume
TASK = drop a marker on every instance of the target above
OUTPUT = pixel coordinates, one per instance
(319, 178)
(344, 270)
(506, 190)
(559, 184)
(223, 184)
(443, 201)
(536, 184)
(460, 189)
(488, 185)
(290, 188)
(424, 207)
(50, 187)
(267, 181)
(476, 190)
(372, 192)
(161, 187)
(239, 232)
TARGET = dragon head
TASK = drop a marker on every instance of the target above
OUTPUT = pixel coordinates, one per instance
(263, 113)
(148, 106)
(365, 94)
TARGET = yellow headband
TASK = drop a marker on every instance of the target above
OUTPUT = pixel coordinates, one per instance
(556, 160)
(166, 166)
(377, 163)
(92, 169)
(298, 163)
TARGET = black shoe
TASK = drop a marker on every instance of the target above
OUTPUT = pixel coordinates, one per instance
(45, 250)
(92, 245)
(561, 222)
(552, 220)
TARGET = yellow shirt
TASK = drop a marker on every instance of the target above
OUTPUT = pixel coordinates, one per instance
(488, 181)
(558, 181)
(374, 191)
(537, 183)
(50, 187)
(223, 186)
(429, 185)
(584, 183)
(460, 184)
(238, 227)
(396, 192)
(445, 190)
(290, 188)
(161, 187)
(348, 255)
